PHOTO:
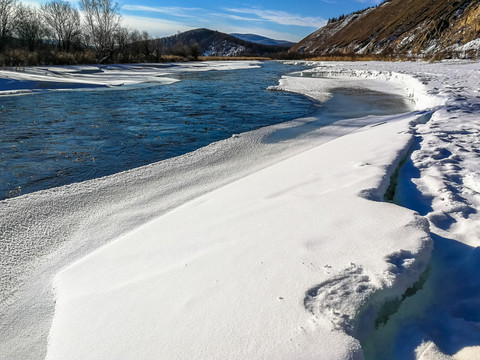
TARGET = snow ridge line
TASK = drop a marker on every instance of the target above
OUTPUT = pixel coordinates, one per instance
(353, 300)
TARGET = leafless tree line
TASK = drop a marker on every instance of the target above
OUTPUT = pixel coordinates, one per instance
(58, 26)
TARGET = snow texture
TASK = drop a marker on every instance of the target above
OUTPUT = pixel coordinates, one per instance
(206, 279)
(248, 249)
(471, 45)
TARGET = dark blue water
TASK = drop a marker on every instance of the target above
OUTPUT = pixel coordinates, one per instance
(56, 138)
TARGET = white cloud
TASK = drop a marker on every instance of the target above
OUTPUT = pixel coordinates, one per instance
(155, 27)
(161, 28)
(167, 10)
(38, 3)
(234, 17)
(281, 17)
(244, 20)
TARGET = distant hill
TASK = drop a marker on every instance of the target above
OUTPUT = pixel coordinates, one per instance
(214, 43)
(401, 27)
(258, 39)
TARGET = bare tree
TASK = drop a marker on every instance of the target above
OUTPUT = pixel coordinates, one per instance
(146, 47)
(29, 26)
(132, 45)
(121, 40)
(7, 20)
(63, 21)
(102, 20)
(157, 49)
(135, 46)
(85, 37)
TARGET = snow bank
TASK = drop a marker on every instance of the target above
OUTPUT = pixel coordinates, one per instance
(256, 269)
(443, 184)
(440, 317)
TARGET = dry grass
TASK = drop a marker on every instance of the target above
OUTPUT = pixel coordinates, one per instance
(359, 57)
(471, 54)
(21, 57)
(172, 58)
(231, 58)
(399, 26)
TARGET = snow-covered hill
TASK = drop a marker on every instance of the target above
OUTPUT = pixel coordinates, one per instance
(214, 43)
(258, 39)
(439, 28)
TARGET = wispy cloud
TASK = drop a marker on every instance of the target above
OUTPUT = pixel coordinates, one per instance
(237, 14)
(156, 27)
(233, 17)
(160, 28)
(264, 22)
(280, 17)
(167, 10)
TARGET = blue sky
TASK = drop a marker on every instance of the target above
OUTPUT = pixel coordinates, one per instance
(280, 19)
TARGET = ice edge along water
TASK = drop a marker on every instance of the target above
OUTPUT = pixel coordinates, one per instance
(230, 216)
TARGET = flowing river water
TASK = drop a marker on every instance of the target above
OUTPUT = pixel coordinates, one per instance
(56, 138)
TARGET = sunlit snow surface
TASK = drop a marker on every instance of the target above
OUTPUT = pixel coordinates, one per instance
(253, 249)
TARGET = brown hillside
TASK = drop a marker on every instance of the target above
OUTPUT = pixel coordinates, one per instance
(399, 27)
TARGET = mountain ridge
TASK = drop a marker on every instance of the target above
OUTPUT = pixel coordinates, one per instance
(208, 42)
(263, 40)
(400, 27)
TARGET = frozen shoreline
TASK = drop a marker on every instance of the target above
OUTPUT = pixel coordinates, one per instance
(364, 167)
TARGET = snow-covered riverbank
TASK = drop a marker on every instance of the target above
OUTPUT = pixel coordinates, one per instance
(252, 249)
(440, 180)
